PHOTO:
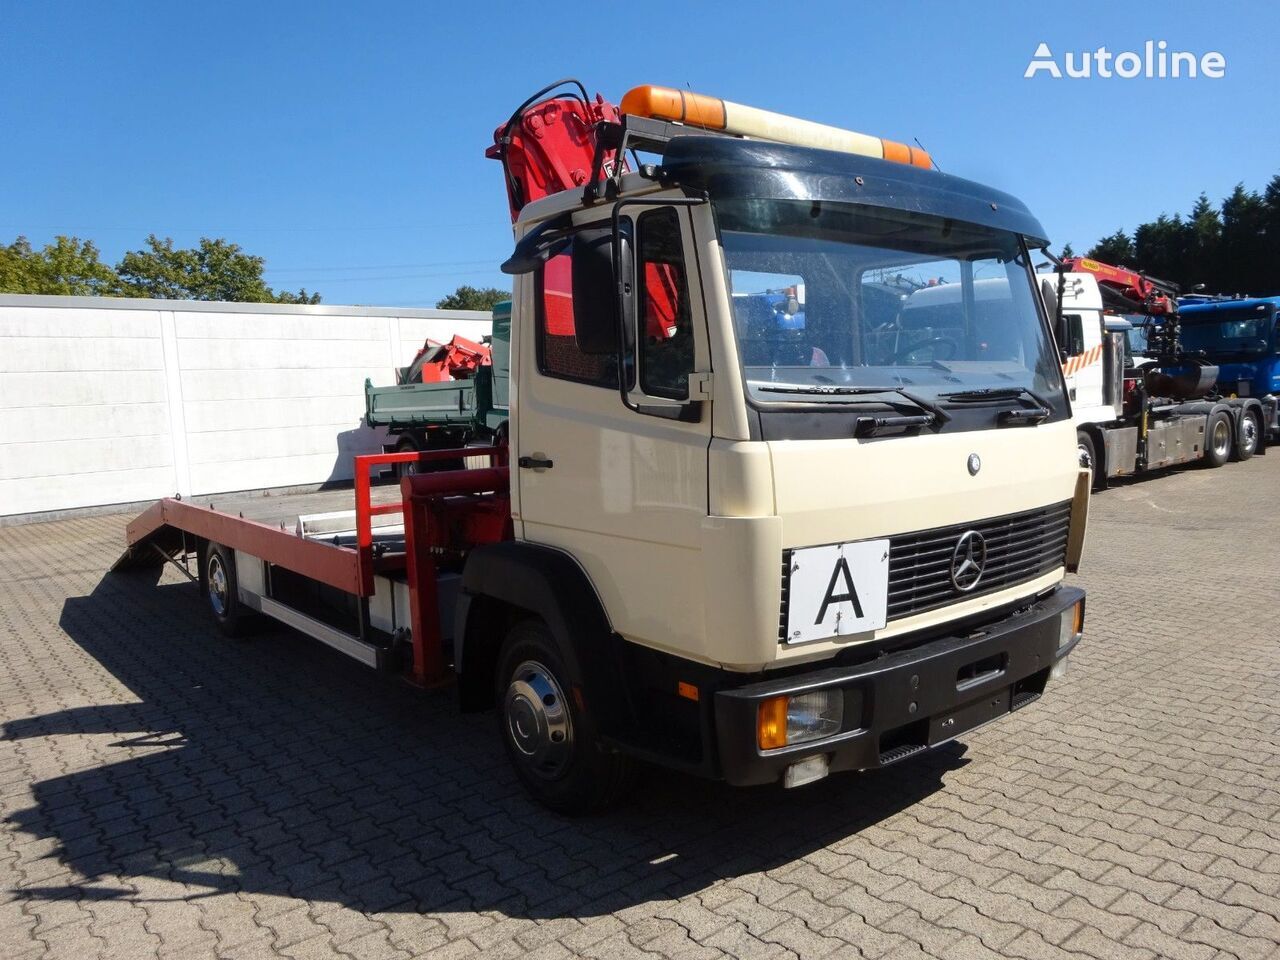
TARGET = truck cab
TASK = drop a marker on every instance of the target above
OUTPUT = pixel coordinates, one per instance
(1240, 336)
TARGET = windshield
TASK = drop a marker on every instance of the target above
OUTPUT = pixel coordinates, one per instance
(1242, 332)
(832, 295)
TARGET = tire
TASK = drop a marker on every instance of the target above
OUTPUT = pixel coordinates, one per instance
(221, 592)
(1249, 435)
(406, 445)
(552, 744)
(1218, 437)
(1088, 454)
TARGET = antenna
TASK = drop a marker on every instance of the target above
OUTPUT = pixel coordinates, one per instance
(930, 155)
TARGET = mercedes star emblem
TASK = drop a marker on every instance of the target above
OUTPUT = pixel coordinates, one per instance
(968, 560)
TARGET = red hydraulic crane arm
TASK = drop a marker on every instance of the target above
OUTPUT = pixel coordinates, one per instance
(549, 143)
(1154, 297)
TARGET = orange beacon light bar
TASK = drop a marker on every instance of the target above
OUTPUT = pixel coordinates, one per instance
(712, 113)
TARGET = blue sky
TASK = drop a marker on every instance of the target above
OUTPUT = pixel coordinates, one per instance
(344, 142)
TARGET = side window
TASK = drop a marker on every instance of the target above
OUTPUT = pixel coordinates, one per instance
(1071, 334)
(558, 353)
(666, 325)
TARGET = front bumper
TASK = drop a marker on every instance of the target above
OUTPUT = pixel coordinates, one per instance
(908, 701)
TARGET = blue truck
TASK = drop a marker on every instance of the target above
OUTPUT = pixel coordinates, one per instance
(1239, 336)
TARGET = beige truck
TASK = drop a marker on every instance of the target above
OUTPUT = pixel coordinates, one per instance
(773, 510)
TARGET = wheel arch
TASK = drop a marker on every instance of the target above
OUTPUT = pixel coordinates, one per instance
(509, 581)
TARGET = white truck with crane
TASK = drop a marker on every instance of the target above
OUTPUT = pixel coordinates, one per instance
(745, 549)
(1159, 409)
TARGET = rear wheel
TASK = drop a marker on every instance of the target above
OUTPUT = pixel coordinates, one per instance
(1217, 439)
(1249, 435)
(551, 741)
(218, 577)
(406, 445)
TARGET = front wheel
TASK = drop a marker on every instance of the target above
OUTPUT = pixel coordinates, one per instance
(550, 739)
(1249, 436)
(1088, 458)
(1217, 439)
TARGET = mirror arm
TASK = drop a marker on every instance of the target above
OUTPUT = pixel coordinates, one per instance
(515, 264)
(689, 411)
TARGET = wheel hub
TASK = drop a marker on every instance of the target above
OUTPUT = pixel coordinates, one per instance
(1249, 440)
(217, 577)
(1086, 458)
(537, 719)
(1221, 438)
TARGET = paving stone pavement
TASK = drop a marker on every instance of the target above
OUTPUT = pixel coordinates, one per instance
(165, 792)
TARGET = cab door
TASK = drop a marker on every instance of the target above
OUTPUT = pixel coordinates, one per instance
(624, 492)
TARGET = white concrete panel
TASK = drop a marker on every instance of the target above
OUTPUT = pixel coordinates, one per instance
(79, 421)
(275, 354)
(202, 385)
(239, 326)
(205, 416)
(85, 354)
(85, 457)
(70, 490)
(41, 390)
(77, 322)
(264, 443)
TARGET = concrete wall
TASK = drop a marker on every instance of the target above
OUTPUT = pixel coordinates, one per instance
(108, 401)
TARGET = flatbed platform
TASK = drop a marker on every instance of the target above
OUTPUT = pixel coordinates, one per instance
(340, 564)
(274, 509)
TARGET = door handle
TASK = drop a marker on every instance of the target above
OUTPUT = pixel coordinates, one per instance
(536, 463)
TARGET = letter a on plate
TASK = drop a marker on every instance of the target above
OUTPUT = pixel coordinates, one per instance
(837, 590)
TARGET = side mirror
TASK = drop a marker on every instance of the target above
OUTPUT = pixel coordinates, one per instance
(595, 290)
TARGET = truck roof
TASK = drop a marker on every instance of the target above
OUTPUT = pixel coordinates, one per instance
(733, 166)
(729, 166)
(1209, 307)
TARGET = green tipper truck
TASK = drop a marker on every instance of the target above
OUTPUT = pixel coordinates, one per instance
(434, 416)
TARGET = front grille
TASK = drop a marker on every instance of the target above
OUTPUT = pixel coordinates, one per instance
(1020, 547)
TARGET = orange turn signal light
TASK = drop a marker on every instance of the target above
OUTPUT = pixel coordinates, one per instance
(687, 690)
(771, 723)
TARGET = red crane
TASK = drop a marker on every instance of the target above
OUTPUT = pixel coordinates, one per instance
(1153, 297)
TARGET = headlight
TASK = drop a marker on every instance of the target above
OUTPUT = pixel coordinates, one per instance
(787, 720)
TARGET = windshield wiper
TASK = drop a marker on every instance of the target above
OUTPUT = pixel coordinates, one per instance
(867, 426)
(1037, 414)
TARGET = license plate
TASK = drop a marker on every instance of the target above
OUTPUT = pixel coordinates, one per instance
(945, 726)
(838, 590)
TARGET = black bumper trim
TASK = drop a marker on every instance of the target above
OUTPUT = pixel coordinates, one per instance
(903, 703)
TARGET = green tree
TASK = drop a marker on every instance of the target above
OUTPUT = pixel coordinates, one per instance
(1163, 248)
(1068, 251)
(1244, 266)
(1271, 215)
(67, 267)
(1116, 249)
(215, 270)
(473, 298)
